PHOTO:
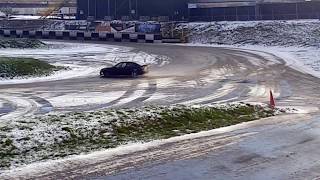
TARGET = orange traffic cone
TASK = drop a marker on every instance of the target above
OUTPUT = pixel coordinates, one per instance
(272, 101)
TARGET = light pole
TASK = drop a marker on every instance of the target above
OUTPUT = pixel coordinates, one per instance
(108, 7)
(88, 8)
(130, 9)
(95, 9)
(137, 9)
(115, 9)
(297, 12)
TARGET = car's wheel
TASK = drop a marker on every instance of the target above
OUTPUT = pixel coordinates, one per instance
(101, 74)
(134, 74)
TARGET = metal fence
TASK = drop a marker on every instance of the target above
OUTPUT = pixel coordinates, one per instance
(253, 17)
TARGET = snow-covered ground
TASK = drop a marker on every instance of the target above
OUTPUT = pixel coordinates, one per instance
(81, 58)
(303, 59)
(103, 155)
(109, 153)
(85, 98)
(297, 41)
(28, 134)
(270, 33)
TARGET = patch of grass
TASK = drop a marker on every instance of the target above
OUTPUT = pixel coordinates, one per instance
(20, 43)
(7, 152)
(171, 122)
(57, 136)
(182, 120)
(19, 67)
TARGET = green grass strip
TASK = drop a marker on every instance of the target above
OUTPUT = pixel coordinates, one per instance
(19, 67)
(54, 136)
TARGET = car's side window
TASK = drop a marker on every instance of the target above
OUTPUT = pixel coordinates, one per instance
(121, 65)
(130, 65)
(127, 65)
(134, 65)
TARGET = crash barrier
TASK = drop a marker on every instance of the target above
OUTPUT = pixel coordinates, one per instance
(81, 35)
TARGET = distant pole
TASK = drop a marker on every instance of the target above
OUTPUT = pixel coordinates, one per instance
(188, 14)
(115, 9)
(237, 17)
(172, 33)
(108, 7)
(88, 8)
(95, 9)
(257, 12)
(130, 8)
(297, 15)
(137, 9)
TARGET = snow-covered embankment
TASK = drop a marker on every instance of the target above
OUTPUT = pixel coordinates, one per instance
(297, 42)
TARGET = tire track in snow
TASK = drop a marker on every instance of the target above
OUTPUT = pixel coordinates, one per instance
(6, 107)
(238, 94)
(221, 92)
(14, 103)
(139, 100)
(87, 107)
(45, 105)
(130, 98)
(23, 106)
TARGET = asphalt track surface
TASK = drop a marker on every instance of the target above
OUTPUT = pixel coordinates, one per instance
(282, 147)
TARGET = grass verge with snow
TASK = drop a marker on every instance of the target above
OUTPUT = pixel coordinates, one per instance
(20, 43)
(24, 67)
(54, 136)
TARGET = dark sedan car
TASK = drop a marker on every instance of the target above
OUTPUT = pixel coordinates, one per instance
(129, 69)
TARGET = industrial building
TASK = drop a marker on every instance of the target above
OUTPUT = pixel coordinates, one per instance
(37, 7)
(164, 10)
(132, 9)
(199, 10)
(219, 10)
